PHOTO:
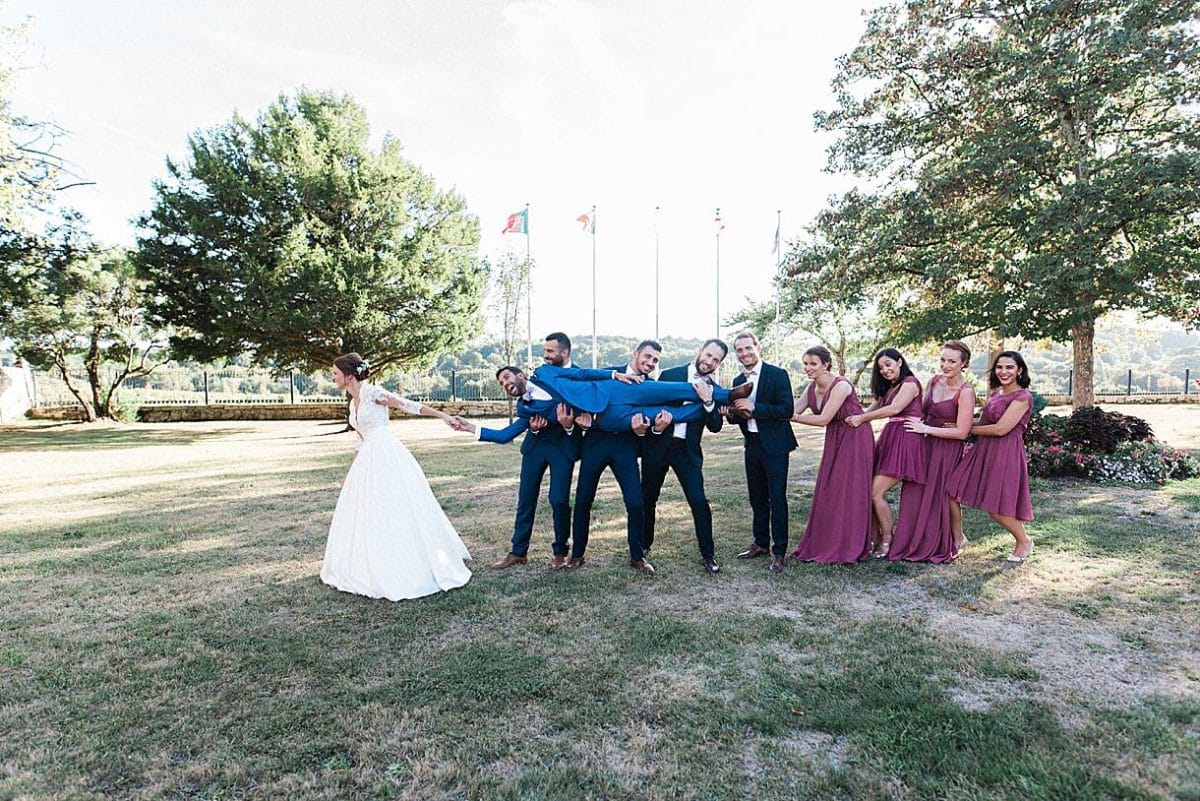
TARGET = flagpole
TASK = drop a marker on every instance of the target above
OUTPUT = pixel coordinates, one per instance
(656, 298)
(778, 256)
(718, 334)
(529, 292)
(594, 354)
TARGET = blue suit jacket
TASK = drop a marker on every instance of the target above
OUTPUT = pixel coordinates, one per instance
(551, 435)
(774, 406)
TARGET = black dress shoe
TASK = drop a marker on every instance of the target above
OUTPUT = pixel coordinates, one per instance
(753, 551)
(711, 565)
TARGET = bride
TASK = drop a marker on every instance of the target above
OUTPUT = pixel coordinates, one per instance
(389, 537)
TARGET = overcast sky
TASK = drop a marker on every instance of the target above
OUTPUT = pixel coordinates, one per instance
(688, 105)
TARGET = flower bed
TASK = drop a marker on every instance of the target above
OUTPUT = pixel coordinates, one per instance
(1104, 447)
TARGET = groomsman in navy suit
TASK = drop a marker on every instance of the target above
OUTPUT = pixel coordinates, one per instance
(619, 453)
(675, 445)
(765, 419)
(550, 444)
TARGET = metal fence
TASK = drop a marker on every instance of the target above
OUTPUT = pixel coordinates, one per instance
(244, 385)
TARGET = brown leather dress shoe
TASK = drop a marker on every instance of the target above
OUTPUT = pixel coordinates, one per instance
(642, 566)
(574, 563)
(741, 391)
(558, 562)
(711, 565)
(777, 564)
(754, 550)
(509, 561)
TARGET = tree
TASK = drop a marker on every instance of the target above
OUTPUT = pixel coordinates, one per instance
(1028, 167)
(30, 174)
(291, 241)
(85, 306)
(847, 325)
(509, 279)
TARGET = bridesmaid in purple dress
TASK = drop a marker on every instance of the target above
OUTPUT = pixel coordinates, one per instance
(930, 526)
(899, 453)
(839, 524)
(994, 474)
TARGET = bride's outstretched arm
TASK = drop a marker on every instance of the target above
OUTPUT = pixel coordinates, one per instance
(412, 407)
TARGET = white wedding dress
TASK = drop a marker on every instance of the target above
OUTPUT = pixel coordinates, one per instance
(389, 537)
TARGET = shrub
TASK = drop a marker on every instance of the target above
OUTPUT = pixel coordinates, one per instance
(1144, 462)
(1054, 458)
(1046, 429)
(1099, 431)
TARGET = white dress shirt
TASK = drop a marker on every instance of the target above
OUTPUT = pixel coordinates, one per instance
(753, 374)
(693, 377)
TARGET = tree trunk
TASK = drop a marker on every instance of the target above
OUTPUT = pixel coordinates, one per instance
(89, 414)
(1082, 341)
(995, 345)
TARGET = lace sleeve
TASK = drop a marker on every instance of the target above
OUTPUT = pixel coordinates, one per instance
(381, 395)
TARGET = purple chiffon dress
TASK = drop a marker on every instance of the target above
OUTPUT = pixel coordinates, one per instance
(900, 453)
(839, 524)
(994, 474)
(923, 532)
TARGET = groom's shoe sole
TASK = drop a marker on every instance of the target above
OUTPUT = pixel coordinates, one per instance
(741, 391)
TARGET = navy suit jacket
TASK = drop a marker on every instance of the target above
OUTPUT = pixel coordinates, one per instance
(774, 406)
(656, 444)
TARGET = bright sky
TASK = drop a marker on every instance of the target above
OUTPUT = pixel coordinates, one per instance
(688, 105)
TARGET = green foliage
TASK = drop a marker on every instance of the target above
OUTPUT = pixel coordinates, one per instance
(1029, 166)
(288, 239)
(85, 305)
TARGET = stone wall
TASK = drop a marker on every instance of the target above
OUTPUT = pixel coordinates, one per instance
(190, 413)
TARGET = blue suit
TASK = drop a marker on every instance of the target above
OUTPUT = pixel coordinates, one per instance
(596, 391)
(617, 451)
(552, 448)
(767, 455)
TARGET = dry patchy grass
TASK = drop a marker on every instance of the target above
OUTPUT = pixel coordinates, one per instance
(165, 636)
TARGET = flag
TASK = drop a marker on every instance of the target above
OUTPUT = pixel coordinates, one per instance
(717, 222)
(587, 222)
(775, 249)
(518, 223)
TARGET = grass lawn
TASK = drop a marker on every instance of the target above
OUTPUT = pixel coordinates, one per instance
(165, 636)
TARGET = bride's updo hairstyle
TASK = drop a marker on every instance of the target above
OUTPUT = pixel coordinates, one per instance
(352, 364)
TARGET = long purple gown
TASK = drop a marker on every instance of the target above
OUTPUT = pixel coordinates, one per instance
(839, 525)
(923, 532)
(994, 474)
(900, 453)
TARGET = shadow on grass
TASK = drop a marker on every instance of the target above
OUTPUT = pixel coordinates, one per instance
(84, 436)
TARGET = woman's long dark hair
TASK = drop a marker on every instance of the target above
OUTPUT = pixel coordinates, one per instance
(1022, 370)
(880, 386)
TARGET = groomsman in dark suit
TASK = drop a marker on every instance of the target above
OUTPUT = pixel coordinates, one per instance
(765, 419)
(676, 446)
(550, 444)
(619, 453)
